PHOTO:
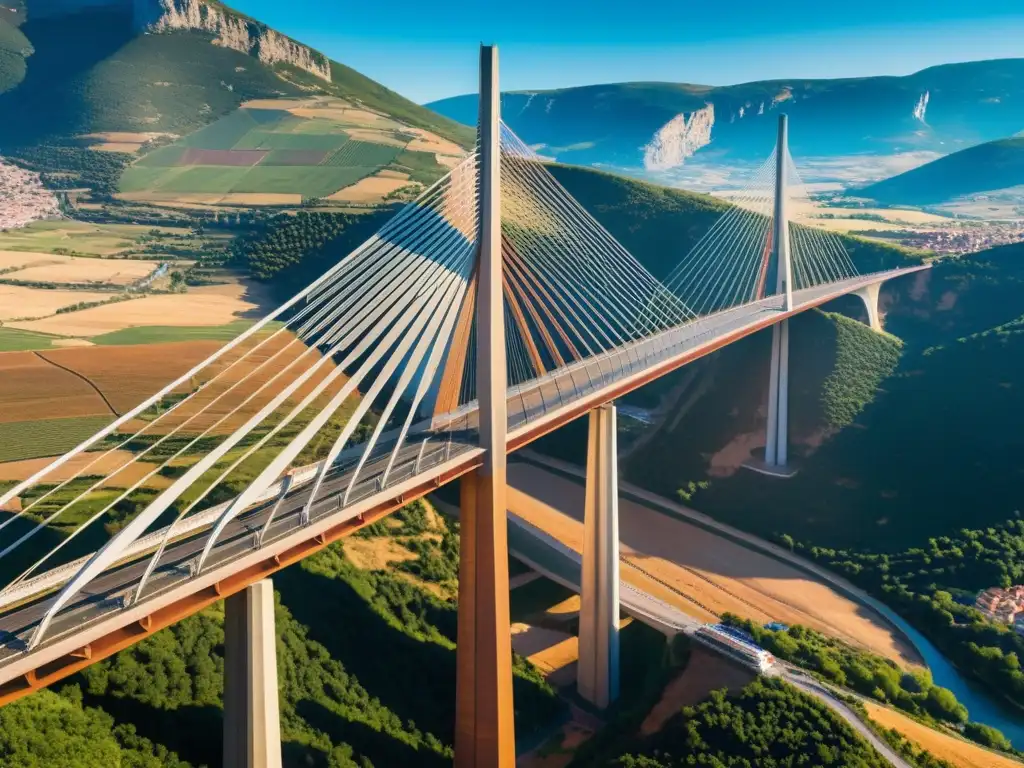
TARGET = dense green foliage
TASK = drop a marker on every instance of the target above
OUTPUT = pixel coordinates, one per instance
(66, 166)
(926, 585)
(867, 673)
(294, 250)
(768, 724)
(47, 730)
(959, 372)
(366, 669)
(421, 166)
(14, 48)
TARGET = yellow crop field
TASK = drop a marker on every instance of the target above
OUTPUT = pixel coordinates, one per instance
(206, 305)
(84, 270)
(20, 301)
(959, 752)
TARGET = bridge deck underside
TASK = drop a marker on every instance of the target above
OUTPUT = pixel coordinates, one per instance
(535, 408)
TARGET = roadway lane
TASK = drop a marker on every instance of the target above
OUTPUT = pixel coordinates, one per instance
(534, 408)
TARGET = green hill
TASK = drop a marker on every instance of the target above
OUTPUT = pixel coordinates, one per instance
(987, 167)
(101, 70)
(14, 46)
(109, 81)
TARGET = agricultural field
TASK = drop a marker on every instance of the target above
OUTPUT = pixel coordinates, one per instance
(75, 237)
(33, 387)
(46, 437)
(20, 302)
(50, 268)
(14, 340)
(281, 152)
(944, 746)
(204, 306)
(91, 385)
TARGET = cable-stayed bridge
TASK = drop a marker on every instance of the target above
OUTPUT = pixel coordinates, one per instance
(488, 312)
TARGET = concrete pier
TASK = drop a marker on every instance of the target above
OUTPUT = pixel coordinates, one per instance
(869, 295)
(776, 451)
(252, 723)
(598, 670)
(484, 715)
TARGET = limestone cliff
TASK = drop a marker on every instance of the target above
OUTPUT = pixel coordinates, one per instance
(237, 33)
(678, 139)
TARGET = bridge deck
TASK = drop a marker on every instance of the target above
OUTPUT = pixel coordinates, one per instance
(99, 621)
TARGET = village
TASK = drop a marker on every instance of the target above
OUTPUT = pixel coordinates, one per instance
(23, 198)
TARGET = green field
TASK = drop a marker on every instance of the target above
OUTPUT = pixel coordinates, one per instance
(48, 437)
(273, 140)
(14, 340)
(158, 334)
(362, 154)
(300, 180)
(80, 237)
(200, 179)
(285, 170)
(224, 133)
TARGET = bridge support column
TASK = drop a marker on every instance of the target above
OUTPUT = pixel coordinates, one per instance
(484, 716)
(598, 670)
(869, 295)
(776, 448)
(252, 725)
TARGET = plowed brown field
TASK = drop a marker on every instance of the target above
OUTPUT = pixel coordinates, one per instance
(32, 388)
(37, 386)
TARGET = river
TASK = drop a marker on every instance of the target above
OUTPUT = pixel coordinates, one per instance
(980, 707)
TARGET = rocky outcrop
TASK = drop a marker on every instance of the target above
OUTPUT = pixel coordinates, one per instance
(231, 31)
(679, 139)
(921, 108)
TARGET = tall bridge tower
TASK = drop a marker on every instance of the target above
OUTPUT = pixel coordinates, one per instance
(776, 451)
(484, 723)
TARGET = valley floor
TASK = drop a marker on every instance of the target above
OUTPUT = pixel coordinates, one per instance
(700, 573)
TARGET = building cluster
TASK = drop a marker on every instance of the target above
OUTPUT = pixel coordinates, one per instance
(966, 239)
(1005, 606)
(23, 198)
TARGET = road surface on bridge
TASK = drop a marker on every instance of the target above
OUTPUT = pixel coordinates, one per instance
(534, 409)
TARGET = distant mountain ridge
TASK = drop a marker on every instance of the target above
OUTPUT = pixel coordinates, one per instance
(660, 125)
(988, 167)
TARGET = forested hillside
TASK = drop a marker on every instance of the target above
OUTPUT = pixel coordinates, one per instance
(366, 669)
(769, 724)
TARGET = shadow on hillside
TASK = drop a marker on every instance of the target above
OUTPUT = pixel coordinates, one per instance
(195, 733)
(412, 678)
(365, 740)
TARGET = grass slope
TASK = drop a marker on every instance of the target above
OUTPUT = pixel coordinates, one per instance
(983, 168)
(94, 71)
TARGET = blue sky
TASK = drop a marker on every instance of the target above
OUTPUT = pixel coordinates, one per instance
(427, 50)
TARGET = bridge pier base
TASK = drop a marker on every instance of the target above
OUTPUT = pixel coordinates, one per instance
(252, 725)
(869, 295)
(484, 725)
(776, 450)
(598, 670)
